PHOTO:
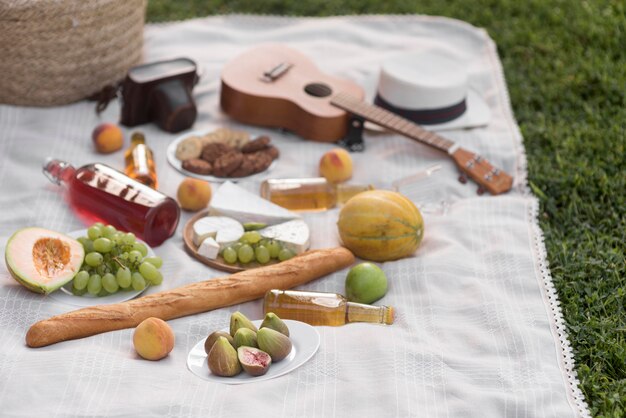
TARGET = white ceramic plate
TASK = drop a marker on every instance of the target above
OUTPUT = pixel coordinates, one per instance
(304, 338)
(65, 295)
(178, 164)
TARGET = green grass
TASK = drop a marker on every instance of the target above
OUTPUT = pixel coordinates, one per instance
(565, 64)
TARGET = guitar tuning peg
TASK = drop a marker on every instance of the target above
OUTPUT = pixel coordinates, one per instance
(462, 178)
(480, 191)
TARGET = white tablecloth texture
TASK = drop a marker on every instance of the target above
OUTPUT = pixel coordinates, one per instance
(478, 332)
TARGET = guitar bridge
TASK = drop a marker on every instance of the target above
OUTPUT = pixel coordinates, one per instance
(276, 72)
(353, 141)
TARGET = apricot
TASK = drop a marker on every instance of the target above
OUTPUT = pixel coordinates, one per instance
(107, 138)
(336, 165)
(153, 339)
(193, 194)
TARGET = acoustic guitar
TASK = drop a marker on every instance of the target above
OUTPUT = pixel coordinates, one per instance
(276, 86)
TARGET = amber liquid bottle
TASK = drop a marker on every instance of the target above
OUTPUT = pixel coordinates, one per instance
(140, 161)
(309, 194)
(316, 308)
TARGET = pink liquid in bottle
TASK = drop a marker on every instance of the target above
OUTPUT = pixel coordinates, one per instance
(99, 193)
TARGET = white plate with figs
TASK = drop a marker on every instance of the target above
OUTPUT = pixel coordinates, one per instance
(65, 295)
(305, 341)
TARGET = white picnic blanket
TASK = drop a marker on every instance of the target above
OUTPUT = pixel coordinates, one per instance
(479, 331)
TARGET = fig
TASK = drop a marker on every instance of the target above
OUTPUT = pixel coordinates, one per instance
(239, 320)
(208, 344)
(272, 321)
(245, 337)
(277, 345)
(254, 361)
(222, 359)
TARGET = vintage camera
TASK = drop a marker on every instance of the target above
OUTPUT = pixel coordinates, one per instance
(160, 92)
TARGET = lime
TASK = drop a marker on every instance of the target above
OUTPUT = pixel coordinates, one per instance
(365, 283)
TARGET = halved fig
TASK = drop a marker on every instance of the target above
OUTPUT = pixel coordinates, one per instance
(254, 361)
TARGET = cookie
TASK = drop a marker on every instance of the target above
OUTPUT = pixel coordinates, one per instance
(198, 166)
(260, 160)
(214, 137)
(258, 144)
(189, 148)
(211, 152)
(238, 139)
(272, 151)
(245, 169)
(227, 163)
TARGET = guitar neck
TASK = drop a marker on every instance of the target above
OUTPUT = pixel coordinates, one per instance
(392, 122)
(473, 165)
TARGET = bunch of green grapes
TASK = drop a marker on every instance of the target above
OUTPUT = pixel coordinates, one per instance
(252, 247)
(114, 260)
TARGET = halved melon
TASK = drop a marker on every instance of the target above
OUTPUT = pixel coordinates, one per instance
(43, 260)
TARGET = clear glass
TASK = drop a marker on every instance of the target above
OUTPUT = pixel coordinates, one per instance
(308, 194)
(317, 308)
(140, 161)
(99, 193)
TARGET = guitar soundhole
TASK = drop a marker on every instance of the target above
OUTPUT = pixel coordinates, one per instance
(318, 90)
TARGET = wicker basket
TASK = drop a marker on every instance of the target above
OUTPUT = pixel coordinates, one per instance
(54, 52)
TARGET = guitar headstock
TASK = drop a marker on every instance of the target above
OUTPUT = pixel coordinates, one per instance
(490, 178)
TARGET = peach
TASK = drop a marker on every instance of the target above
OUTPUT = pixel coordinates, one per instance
(107, 137)
(153, 339)
(193, 194)
(336, 165)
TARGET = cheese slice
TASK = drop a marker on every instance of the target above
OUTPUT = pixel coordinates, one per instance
(238, 203)
(293, 235)
(225, 230)
(209, 249)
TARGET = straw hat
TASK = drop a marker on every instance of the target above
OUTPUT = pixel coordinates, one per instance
(431, 89)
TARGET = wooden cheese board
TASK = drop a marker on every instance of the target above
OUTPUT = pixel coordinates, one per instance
(219, 263)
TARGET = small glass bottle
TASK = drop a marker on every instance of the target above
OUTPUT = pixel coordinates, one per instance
(309, 194)
(140, 161)
(98, 193)
(316, 308)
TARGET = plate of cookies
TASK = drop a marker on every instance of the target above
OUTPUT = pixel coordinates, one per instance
(222, 154)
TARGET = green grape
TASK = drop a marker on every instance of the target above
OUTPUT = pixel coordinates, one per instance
(264, 242)
(118, 238)
(87, 244)
(236, 246)
(230, 255)
(262, 254)
(245, 254)
(108, 231)
(138, 282)
(94, 232)
(98, 224)
(101, 269)
(274, 248)
(158, 279)
(251, 237)
(94, 259)
(95, 284)
(109, 283)
(81, 279)
(129, 238)
(124, 256)
(148, 271)
(285, 254)
(78, 292)
(155, 261)
(138, 246)
(103, 245)
(103, 292)
(123, 277)
(134, 256)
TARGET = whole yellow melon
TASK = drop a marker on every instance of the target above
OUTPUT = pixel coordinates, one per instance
(380, 225)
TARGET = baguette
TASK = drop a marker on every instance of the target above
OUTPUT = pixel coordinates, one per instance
(190, 299)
